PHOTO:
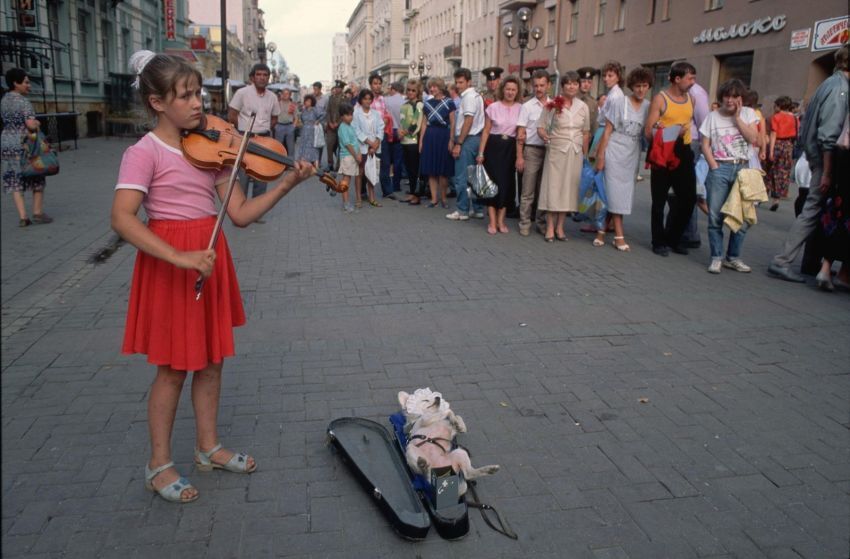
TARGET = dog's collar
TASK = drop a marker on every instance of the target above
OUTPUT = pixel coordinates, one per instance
(435, 441)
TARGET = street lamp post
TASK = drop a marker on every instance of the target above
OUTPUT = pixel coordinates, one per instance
(271, 47)
(522, 34)
(421, 67)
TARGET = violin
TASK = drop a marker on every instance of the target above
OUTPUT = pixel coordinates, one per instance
(215, 144)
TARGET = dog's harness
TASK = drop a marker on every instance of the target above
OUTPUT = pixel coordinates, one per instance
(435, 440)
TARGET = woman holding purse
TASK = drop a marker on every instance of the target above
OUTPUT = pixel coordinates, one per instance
(19, 121)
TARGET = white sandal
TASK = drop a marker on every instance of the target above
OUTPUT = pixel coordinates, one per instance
(173, 492)
(238, 463)
(623, 247)
(597, 242)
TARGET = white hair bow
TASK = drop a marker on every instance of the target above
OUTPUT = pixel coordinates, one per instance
(138, 61)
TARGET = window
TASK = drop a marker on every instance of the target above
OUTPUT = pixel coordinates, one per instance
(738, 66)
(665, 10)
(661, 71)
(572, 33)
(713, 5)
(126, 48)
(84, 44)
(106, 34)
(621, 16)
(550, 27)
(600, 17)
(653, 7)
(59, 55)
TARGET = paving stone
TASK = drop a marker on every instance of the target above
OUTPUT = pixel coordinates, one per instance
(631, 417)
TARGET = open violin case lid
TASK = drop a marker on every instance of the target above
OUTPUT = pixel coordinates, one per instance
(371, 453)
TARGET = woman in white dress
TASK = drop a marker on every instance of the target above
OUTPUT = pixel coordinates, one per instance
(619, 151)
(564, 126)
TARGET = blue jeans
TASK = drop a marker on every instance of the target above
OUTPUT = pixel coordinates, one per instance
(391, 154)
(468, 153)
(717, 185)
(285, 134)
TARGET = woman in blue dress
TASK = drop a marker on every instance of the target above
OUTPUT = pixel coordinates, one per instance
(436, 162)
(308, 119)
(18, 121)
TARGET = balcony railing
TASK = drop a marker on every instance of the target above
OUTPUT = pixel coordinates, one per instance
(453, 51)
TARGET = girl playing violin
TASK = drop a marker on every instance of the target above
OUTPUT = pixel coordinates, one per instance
(164, 321)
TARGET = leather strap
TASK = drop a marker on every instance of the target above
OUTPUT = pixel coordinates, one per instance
(475, 503)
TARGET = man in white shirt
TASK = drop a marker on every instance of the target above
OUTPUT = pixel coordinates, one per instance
(254, 98)
(465, 142)
(531, 151)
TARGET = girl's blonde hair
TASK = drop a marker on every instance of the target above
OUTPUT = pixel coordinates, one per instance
(159, 74)
(416, 84)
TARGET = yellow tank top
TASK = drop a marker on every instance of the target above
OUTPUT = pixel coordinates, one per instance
(681, 113)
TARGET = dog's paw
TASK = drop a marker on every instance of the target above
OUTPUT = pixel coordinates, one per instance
(490, 470)
(422, 464)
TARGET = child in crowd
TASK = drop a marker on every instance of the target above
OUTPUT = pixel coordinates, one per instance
(728, 135)
(349, 155)
(164, 320)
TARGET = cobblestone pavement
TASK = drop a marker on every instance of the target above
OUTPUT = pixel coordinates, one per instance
(639, 406)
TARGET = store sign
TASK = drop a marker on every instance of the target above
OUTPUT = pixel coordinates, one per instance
(200, 43)
(831, 33)
(800, 38)
(170, 27)
(741, 30)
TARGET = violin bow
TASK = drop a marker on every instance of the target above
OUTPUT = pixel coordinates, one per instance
(234, 172)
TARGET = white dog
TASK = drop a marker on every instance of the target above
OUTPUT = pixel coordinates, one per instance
(431, 426)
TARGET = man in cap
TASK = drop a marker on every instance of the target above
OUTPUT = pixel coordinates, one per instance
(493, 75)
(585, 84)
(334, 103)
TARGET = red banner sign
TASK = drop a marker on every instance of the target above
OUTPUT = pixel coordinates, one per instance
(198, 43)
(170, 26)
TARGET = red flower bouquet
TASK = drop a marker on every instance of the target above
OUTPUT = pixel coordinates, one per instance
(556, 104)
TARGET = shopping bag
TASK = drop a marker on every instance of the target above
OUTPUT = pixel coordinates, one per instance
(39, 160)
(481, 184)
(586, 189)
(370, 168)
(701, 169)
(318, 136)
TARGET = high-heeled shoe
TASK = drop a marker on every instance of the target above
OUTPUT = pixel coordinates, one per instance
(824, 282)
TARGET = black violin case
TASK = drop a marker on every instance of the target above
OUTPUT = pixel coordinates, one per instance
(376, 457)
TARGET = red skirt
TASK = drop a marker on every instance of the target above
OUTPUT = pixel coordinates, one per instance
(164, 321)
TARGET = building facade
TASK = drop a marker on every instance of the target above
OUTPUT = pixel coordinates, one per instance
(77, 51)
(479, 34)
(390, 33)
(768, 45)
(360, 42)
(435, 34)
(339, 57)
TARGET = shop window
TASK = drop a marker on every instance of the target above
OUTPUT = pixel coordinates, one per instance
(572, 32)
(600, 17)
(661, 72)
(738, 66)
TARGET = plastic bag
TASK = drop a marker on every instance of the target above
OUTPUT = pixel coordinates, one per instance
(481, 184)
(318, 136)
(370, 169)
(701, 168)
(586, 189)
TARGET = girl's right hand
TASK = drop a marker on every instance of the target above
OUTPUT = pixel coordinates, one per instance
(200, 260)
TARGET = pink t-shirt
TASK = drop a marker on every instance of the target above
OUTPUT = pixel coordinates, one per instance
(503, 118)
(174, 188)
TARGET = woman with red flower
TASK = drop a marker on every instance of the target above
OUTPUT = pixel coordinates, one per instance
(564, 126)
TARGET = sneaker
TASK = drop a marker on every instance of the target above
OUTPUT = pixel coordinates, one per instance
(714, 267)
(41, 218)
(348, 209)
(478, 215)
(738, 265)
(457, 216)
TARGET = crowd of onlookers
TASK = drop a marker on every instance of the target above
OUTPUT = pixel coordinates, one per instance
(556, 151)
